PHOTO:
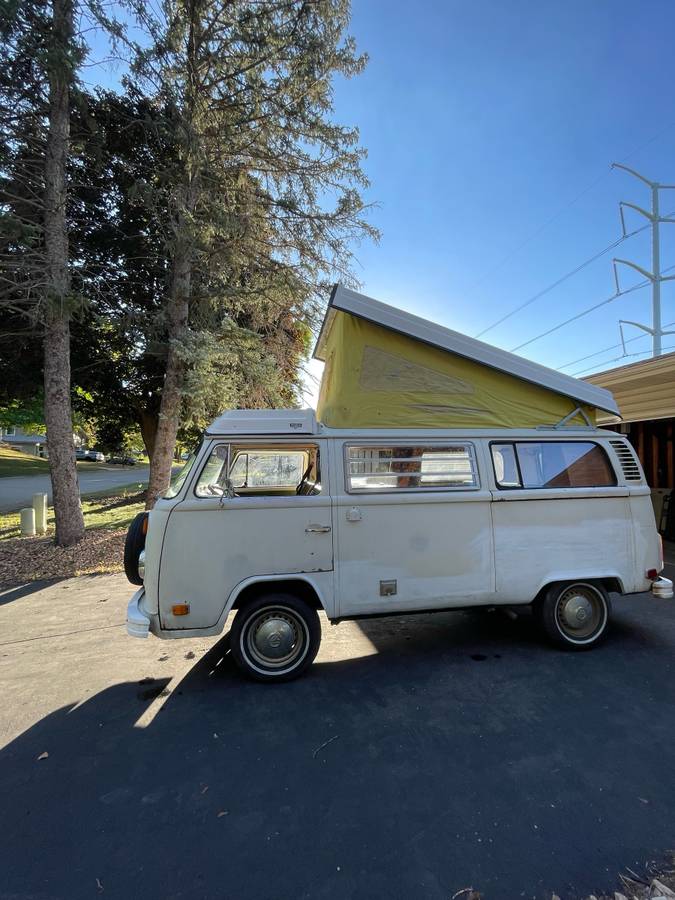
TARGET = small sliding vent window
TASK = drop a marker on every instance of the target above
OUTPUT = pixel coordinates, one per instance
(411, 468)
(629, 465)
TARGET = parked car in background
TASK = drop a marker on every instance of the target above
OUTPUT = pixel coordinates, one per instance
(81, 453)
(94, 456)
(122, 459)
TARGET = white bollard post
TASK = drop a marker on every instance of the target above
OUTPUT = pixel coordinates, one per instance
(27, 521)
(40, 507)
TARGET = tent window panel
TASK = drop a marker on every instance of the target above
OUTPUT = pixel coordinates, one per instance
(384, 371)
(398, 468)
(552, 464)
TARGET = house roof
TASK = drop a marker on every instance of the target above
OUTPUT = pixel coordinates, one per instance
(643, 390)
(348, 301)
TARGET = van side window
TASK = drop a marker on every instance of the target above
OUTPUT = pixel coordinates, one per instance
(397, 468)
(260, 471)
(551, 464)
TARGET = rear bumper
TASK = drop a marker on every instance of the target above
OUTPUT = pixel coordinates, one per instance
(138, 622)
(662, 587)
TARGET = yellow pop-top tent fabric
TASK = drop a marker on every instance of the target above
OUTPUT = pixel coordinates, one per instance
(375, 377)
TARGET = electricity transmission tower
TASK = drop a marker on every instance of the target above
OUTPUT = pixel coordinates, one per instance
(655, 276)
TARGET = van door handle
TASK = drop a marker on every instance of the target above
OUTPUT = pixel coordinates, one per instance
(317, 529)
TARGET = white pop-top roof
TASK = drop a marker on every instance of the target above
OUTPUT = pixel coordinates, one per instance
(444, 338)
(264, 421)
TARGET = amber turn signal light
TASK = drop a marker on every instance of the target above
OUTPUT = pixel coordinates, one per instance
(181, 609)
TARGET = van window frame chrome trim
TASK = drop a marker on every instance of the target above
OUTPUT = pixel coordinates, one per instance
(532, 440)
(406, 442)
(263, 442)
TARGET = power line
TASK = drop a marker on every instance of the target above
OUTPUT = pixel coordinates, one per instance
(535, 233)
(618, 358)
(563, 209)
(580, 315)
(564, 278)
(638, 337)
(560, 280)
(585, 312)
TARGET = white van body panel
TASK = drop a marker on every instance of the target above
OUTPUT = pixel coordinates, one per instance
(647, 550)
(437, 548)
(541, 539)
(394, 551)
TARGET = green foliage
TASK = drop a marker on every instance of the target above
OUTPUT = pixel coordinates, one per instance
(28, 416)
(223, 146)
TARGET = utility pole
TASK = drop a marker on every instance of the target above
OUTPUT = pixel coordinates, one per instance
(655, 276)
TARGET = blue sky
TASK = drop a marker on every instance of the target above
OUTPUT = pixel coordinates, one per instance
(490, 128)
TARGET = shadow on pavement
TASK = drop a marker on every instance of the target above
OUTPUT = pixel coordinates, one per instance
(463, 752)
(10, 593)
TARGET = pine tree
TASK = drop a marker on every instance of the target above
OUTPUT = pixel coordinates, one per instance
(39, 56)
(247, 325)
(247, 88)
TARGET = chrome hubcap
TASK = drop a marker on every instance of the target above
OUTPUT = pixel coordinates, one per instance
(580, 612)
(276, 638)
(576, 611)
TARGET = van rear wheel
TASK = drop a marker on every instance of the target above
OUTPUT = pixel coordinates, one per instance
(275, 637)
(574, 614)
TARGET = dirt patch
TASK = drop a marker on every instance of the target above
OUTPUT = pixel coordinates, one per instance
(37, 558)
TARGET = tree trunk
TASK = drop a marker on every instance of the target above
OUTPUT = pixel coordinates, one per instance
(181, 283)
(172, 390)
(58, 412)
(147, 422)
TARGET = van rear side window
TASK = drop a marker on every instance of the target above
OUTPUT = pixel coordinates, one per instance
(551, 464)
(406, 468)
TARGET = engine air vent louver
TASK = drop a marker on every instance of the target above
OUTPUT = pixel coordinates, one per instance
(629, 464)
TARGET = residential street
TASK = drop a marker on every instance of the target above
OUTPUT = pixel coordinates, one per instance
(421, 755)
(18, 492)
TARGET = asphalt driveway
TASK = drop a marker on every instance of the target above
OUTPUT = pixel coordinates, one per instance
(421, 755)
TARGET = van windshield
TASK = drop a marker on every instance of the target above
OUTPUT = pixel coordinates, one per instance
(179, 477)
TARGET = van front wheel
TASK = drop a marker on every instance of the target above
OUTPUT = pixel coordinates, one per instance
(574, 614)
(275, 637)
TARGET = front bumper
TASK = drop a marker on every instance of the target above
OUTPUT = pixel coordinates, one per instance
(662, 587)
(138, 622)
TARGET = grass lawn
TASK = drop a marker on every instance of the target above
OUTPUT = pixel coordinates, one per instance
(13, 462)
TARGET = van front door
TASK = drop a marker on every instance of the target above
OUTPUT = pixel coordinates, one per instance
(414, 528)
(254, 509)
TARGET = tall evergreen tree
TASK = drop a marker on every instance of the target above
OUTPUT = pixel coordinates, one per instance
(247, 90)
(247, 325)
(38, 60)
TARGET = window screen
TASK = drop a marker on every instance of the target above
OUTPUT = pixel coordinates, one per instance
(551, 464)
(268, 468)
(410, 468)
(259, 471)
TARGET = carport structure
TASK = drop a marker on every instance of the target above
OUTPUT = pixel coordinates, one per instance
(645, 394)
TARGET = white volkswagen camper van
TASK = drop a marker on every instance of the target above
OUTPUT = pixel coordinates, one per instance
(279, 516)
